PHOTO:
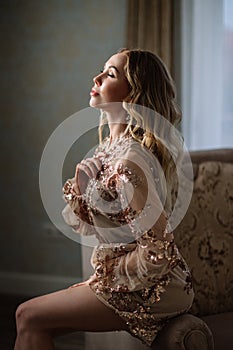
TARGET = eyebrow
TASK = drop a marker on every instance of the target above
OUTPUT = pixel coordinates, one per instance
(114, 68)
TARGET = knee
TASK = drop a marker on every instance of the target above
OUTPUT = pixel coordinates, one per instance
(24, 316)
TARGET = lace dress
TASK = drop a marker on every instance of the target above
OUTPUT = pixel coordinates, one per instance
(139, 271)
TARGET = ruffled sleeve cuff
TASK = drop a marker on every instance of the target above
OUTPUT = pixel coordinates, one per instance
(70, 196)
(76, 213)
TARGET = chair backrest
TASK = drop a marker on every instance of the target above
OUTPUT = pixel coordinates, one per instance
(205, 235)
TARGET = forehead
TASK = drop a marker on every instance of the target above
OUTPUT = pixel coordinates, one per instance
(118, 60)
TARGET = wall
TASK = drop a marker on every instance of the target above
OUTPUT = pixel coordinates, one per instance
(50, 52)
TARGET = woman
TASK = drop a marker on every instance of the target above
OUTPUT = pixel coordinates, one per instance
(119, 195)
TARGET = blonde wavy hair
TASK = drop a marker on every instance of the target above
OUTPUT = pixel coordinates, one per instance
(152, 87)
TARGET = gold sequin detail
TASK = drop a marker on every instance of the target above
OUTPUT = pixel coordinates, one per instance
(132, 293)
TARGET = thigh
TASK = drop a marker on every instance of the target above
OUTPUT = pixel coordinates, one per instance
(76, 309)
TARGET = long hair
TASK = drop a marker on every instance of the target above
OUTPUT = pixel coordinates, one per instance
(152, 87)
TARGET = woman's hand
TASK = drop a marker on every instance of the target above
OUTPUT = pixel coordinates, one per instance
(85, 283)
(86, 170)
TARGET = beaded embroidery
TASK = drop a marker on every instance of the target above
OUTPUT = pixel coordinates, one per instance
(132, 292)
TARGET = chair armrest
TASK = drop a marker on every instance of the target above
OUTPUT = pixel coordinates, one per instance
(185, 332)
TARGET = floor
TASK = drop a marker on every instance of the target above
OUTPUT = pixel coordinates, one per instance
(8, 305)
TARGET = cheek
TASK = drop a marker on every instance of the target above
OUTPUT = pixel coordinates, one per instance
(113, 93)
(119, 92)
(125, 90)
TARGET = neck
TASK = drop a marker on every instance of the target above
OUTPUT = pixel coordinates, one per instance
(117, 124)
(116, 130)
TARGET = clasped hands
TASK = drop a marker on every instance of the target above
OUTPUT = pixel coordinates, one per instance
(87, 169)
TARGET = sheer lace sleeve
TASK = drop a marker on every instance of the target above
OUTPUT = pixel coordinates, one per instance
(152, 253)
(76, 213)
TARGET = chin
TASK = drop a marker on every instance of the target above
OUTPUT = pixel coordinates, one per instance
(93, 103)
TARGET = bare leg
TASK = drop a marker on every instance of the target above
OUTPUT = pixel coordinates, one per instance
(72, 309)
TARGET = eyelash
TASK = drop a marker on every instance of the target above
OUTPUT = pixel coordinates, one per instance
(109, 74)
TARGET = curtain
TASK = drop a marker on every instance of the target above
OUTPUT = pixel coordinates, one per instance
(151, 25)
(202, 74)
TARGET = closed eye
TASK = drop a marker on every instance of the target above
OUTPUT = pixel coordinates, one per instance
(111, 75)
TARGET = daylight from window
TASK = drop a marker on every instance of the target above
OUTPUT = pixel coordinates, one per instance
(207, 73)
(227, 123)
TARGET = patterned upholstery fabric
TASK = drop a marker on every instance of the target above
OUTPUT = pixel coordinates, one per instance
(205, 236)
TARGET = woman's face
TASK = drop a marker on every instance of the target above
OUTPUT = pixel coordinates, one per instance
(111, 84)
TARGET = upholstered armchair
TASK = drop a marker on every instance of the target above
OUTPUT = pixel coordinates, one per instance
(205, 238)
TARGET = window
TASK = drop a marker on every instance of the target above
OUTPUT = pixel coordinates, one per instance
(207, 73)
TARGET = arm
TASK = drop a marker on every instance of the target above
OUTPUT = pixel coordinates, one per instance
(154, 252)
(77, 214)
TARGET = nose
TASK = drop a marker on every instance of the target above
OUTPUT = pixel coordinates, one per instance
(98, 79)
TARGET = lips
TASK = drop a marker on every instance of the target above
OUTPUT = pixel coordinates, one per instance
(94, 92)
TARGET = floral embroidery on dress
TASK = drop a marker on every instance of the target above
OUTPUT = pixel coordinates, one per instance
(134, 276)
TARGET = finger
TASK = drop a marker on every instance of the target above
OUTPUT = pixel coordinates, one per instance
(89, 168)
(77, 285)
(84, 167)
(76, 189)
(81, 178)
(100, 155)
(94, 165)
(98, 163)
